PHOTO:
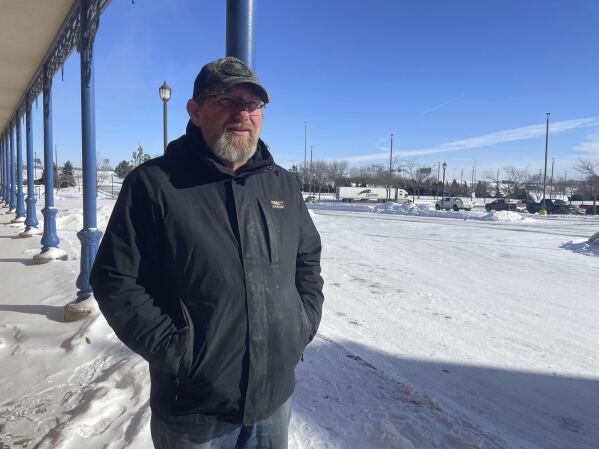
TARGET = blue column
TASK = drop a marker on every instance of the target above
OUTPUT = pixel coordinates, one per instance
(89, 235)
(50, 237)
(2, 168)
(13, 169)
(240, 30)
(5, 177)
(31, 222)
(20, 213)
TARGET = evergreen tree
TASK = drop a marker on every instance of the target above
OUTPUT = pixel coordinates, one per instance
(139, 156)
(123, 168)
(66, 178)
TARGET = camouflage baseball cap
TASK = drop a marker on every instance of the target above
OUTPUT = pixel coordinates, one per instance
(218, 76)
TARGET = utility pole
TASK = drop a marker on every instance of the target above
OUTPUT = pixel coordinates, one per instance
(438, 175)
(545, 173)
(311, 172)
(551, 185)
(305, 151)
(390, 170)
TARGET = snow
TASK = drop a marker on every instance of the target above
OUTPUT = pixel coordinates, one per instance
(440, 329)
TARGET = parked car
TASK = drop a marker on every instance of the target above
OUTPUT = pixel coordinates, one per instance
(589, 209)
(454, 203)
(554, 207)
(504, 204)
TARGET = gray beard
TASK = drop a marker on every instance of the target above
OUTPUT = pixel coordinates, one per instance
(233, 149)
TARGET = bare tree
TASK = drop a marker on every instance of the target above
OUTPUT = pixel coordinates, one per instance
(336, 171)
(513, 178)
(590, 170)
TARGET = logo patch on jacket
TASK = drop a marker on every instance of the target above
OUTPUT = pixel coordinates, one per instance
(277, 204)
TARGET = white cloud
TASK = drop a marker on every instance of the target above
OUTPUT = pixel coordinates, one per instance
(487, 140)
(590, 146)
(442, 105)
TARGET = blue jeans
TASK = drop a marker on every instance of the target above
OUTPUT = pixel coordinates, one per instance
(205, 432)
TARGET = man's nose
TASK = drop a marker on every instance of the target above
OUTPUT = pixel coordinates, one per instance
(241, 112)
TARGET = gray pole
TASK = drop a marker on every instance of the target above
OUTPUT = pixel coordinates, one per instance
(551, 185)
(546, 148)
(438, 179)
(390, 170)
(164, 122)
(305, 152)
(311, 173)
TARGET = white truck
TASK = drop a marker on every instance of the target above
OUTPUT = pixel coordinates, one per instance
(454, 203)
(349, 194)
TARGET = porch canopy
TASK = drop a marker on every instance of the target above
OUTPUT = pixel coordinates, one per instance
(28, 29)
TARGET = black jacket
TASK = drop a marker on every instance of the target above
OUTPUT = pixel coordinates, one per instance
(214, 278)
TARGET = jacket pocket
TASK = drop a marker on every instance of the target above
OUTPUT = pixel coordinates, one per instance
(305, 327)
(187, 359)
(271, 230)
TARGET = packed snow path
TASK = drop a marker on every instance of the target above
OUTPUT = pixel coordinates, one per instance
(476, 331)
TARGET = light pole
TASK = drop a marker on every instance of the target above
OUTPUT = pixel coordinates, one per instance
(543, 210)
(438, 179)
(551, 184)
(311, 172)
(444, 168)
(165, 96)
(390, 168)
(305, 152)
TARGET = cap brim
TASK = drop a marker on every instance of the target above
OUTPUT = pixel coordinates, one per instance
(226, 85)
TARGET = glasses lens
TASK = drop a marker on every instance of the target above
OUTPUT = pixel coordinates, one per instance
(226, 102)
(252, 105)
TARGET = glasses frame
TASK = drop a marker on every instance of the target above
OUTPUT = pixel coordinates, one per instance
(237, 102)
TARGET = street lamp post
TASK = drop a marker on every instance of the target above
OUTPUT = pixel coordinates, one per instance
(390, 170)
(438, 179)
(444, 168)
(165, 96)
(543, 210)
(305, 153)
(311, 173)
(551, 182)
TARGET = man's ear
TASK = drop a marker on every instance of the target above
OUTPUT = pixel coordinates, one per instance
(193, 109)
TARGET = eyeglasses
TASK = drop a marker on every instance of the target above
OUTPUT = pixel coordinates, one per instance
(234, 102)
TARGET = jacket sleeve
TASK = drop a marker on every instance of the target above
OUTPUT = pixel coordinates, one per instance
(308, 281)
(126, 264)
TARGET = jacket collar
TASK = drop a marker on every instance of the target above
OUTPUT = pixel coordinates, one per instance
(195, 144)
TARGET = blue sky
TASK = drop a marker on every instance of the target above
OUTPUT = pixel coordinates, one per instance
(453, 81)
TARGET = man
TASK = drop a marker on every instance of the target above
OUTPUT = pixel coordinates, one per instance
(210, 270)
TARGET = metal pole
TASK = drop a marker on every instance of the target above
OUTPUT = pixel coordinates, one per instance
(240, 30)
(390, 169)
(13, 170)
(89, 236)
(305, 151)
(31, 222)
(3, 168)
(438, 179)
(551, 184)
(164, 122)
(311, 172)
(443, 194)
(546, 148)
(50, 241)
(20, 212)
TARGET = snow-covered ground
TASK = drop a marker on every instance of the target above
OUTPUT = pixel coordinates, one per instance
(440, 330)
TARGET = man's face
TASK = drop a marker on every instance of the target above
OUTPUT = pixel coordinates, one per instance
(229, 129)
